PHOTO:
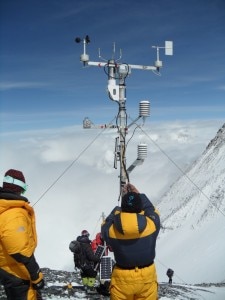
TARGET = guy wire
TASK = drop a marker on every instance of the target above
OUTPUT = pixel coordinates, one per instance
(179, 168)
(70, 165)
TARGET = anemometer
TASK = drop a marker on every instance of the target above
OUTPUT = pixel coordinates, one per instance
(117, 73)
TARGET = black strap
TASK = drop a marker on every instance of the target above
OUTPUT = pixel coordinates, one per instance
(131, 268)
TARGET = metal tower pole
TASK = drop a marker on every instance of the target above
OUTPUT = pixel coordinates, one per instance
(118, 94)
(122, 133)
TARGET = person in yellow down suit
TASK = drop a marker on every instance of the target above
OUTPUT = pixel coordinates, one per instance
(131, 231)
(19, 272)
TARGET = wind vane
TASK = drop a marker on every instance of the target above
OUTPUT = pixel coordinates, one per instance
(117, 73)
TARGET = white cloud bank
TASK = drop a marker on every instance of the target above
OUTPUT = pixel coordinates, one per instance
(72, 180)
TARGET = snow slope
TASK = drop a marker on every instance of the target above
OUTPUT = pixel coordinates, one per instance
(193, 218)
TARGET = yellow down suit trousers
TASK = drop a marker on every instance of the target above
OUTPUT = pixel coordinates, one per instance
(134, 284)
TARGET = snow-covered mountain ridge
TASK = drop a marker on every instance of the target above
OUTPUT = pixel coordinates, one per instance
(200, 191)
(193, 218)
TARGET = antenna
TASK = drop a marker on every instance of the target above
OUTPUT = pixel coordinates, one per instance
(117, 73)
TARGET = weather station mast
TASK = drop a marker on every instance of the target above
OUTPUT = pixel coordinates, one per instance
(117, 73)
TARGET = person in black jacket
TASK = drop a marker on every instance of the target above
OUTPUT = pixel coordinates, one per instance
(88, 274)
(169, 273)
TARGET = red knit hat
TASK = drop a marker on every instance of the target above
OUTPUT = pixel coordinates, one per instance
(14, 181)
(85, 233)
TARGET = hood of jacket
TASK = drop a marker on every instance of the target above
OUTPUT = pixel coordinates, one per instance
(9, 200)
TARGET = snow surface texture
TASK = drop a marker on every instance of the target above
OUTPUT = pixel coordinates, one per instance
(57, 281)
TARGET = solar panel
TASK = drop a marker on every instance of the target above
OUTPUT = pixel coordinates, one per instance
(105, 268)
(100, 251)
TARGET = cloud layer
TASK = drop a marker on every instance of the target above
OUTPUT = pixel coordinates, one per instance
(72, 181)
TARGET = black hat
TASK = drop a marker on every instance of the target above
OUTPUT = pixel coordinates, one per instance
(131, 202)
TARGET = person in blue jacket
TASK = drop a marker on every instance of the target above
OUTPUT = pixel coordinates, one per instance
(131, 231)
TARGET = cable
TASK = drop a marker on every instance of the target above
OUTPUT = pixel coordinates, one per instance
(184, 282)
(127, 174)
(178, 167)
(69, 166)
(132, 135)
(156, 73)
(96, 225)
(167, 268)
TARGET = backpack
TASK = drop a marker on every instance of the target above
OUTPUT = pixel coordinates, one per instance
(169, 273)
(76, 248)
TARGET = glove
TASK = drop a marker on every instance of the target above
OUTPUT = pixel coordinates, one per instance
(130, 188)
(39, 283)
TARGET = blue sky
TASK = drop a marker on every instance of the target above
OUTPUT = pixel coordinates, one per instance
(42, 81)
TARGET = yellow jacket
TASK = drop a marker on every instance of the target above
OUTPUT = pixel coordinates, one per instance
(18, 238)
